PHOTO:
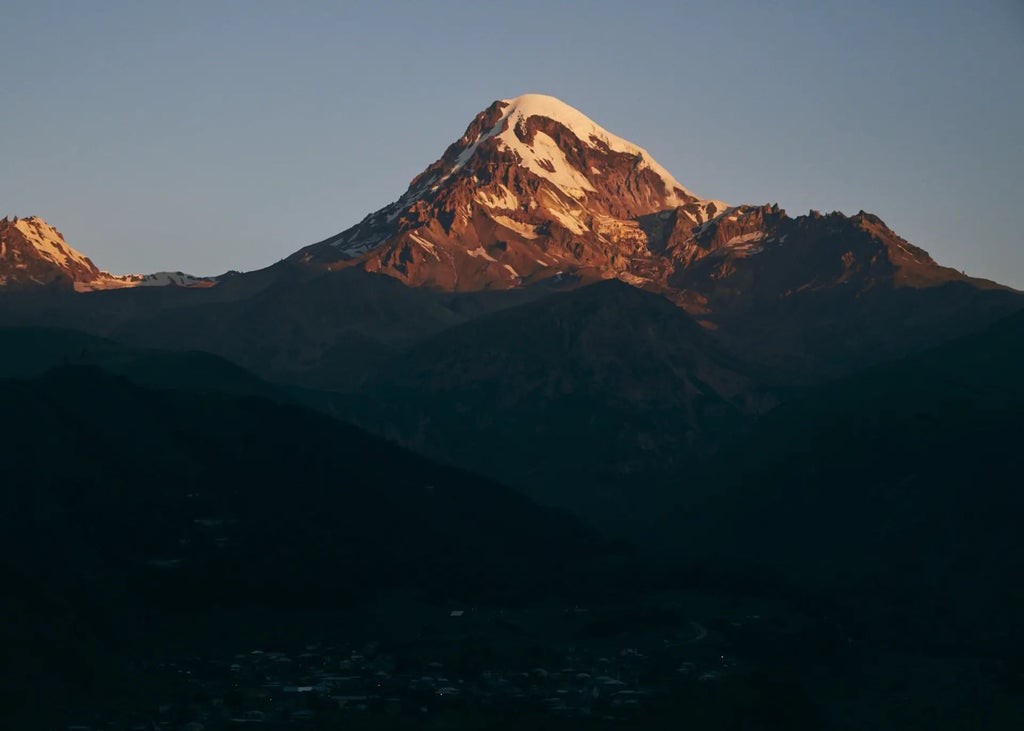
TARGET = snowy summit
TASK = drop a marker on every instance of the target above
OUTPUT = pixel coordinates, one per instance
(543, 153)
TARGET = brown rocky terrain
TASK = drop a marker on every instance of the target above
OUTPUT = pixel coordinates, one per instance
(34, 253)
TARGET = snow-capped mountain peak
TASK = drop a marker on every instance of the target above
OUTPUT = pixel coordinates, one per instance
(533, 189)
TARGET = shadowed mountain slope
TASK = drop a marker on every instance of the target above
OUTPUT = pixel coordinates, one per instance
(897, 489)
(569, 398)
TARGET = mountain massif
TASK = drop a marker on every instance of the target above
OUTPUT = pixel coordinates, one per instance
(797, 411)
(536, 197)
(545, 277)
(533, 190)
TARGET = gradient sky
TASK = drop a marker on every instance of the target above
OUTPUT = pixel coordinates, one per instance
(225, 135)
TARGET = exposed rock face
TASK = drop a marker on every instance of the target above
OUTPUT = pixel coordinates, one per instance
(34, 253)
(755, 252)
(823, 293)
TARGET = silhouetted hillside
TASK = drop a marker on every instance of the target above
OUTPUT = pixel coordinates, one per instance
(30, 352)
(122, 502)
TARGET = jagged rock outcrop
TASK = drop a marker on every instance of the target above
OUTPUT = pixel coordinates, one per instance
(34, 253)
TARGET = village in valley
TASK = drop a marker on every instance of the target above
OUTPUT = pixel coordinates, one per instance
(374, 683)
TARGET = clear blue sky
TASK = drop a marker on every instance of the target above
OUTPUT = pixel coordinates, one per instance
(216, 135)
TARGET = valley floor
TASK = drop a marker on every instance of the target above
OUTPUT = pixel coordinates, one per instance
(665, 661)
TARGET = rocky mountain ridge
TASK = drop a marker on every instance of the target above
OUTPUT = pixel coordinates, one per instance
(534, 191)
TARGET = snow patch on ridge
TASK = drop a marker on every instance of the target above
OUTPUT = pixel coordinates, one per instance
(426, 245)
(106, 280)
(745, 238)
(501, 197)
(480, 253)
(523, 229)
